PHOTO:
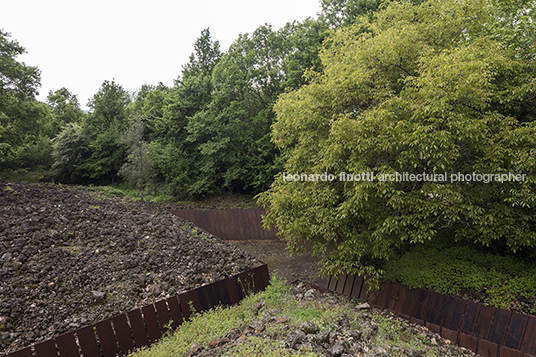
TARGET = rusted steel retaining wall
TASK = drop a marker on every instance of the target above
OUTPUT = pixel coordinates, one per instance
(489, 331)
(230, 224)
(143, 326)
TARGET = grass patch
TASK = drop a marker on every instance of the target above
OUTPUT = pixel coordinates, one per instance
(26, 176)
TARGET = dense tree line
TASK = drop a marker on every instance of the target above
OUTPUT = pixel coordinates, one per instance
(209, 132)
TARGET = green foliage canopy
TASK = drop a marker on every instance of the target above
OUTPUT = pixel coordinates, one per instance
(140, 162)
(65, 109)
(71, 149)
(417, 89)
(19, 112)
(232, 135)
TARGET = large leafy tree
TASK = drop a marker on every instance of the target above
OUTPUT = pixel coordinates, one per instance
(418, 89)
(340, 13)
(19, 112)
(168, 111)
(17, 80)
(65, 109)
(140, 164)
(70, 150)
(515, 25)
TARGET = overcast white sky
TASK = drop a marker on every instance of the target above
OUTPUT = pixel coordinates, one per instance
(79, 44)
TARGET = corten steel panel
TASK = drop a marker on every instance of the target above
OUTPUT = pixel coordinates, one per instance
(350, 279)
(163, 315)
(403, 293)
(487, 348)
(379, 297)
(455, 319)
(67, 345)
(470, 317)
(514, 335)
(364, 291)
(241, 222)
(204, 293)
(421, 302)
(324, 282)
(358, 286)
(107, 339)
(448, 334)
(246, 282)
(499, 326)
(411, 302)
(436, 308)
(218, 296)
(25, 352)
(232, 289)
(185, 299)
(151, 322)
(262, 277)
(433, 327)
(393, 296)
(371, 295)
(175, 311)
(222, 293)
(88, 341)
(432, 310)
(528, 345)
(332, 283)
(341, 281)
(444, 309)
(383, 296)
(46, 349)
(124, 337)
(230, 224)
(218, 224)
(139, 332)
(485, 320)
(468, 341)
(509, 352)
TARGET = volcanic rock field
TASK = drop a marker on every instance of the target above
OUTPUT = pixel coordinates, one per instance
(71, 257)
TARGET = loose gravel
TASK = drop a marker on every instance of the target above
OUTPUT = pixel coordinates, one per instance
(70, 258)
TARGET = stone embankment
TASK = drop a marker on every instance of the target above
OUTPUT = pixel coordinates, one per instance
(341, 339)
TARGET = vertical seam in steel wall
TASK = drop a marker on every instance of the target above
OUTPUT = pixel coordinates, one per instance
(259, 275)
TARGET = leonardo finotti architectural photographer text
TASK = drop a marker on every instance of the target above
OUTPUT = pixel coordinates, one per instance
(409, 177)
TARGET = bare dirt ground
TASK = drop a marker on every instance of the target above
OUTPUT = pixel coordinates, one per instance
(274, 253)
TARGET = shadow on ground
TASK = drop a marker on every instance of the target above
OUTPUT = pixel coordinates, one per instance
(280, 263)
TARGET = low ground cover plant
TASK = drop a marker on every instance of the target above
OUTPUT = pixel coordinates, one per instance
(498, 279)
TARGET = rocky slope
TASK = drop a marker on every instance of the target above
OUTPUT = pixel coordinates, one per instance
(359, 331)
(69, 259)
